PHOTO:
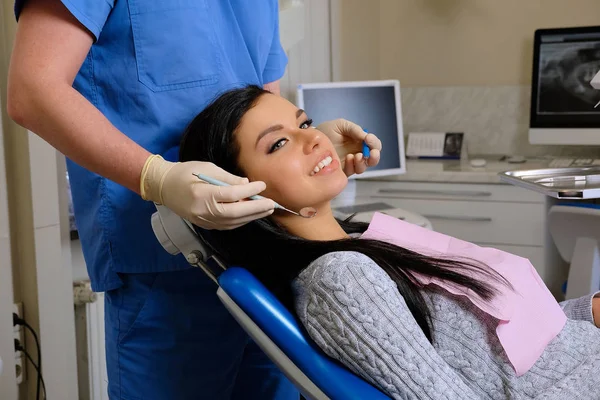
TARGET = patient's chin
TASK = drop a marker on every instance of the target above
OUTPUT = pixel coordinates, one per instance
(330, 189)
(308, 195)
(337, 187)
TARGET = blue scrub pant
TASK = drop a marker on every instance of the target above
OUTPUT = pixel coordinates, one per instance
(169, 338)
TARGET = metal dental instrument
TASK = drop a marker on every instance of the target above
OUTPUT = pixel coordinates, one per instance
(306, 212)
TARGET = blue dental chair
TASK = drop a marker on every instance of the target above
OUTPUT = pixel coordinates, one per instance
(264, 318)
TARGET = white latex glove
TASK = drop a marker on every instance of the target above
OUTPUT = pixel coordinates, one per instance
(347, 137)
(205, 205)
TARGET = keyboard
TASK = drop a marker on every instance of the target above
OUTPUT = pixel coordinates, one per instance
(573, 162)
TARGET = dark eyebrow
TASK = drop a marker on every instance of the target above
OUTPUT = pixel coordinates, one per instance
(267, 131)
(274, 128)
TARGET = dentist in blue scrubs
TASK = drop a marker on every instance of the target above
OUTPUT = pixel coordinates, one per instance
(112, 84)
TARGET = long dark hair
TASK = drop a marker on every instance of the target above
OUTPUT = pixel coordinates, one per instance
(275, 256)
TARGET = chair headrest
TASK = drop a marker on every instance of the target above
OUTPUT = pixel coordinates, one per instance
(177, 235)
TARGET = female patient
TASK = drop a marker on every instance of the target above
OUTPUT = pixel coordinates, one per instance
(382, 310)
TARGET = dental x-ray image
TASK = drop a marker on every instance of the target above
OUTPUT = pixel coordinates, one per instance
(566, 68)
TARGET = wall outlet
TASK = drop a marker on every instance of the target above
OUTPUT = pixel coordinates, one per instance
(18, 333)
(20, 367)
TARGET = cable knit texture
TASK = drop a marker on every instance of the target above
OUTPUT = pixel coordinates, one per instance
(353, 310)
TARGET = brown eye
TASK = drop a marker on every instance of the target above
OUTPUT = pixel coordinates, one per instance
(277, 145)
(306, 124)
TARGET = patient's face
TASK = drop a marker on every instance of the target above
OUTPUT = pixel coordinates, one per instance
(297, 162)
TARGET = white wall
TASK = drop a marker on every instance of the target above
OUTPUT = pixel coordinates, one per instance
(8, 383)
(447, 42)
(309, 60)
(470, 43)
(355, 38)
(54, 271)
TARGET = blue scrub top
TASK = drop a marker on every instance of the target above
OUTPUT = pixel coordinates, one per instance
(153, 66)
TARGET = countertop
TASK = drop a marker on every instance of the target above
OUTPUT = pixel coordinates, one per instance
(460, 171)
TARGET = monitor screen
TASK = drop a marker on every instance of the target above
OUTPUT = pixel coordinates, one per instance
(565, 61)
(374, 105)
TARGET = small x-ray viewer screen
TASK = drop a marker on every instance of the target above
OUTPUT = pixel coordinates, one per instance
(372, 107)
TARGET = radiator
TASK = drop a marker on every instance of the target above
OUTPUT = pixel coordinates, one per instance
(89, 330)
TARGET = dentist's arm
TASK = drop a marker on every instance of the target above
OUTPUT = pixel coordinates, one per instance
(50, 47)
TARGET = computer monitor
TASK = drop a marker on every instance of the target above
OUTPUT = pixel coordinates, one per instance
(374, 105)
(564, 106)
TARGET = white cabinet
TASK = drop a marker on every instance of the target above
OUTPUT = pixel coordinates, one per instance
(481, 222)
(491, 215)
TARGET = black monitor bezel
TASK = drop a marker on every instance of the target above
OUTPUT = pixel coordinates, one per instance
(538, 121)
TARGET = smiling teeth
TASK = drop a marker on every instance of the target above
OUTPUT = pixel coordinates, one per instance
(322, 164)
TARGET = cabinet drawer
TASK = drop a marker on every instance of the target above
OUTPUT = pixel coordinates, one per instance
(445, 191)
(519, 224)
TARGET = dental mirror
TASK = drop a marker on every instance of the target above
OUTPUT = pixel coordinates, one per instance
(306, 212)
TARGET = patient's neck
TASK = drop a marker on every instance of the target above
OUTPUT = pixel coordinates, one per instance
(322, 226)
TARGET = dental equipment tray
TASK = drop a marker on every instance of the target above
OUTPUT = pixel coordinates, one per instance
(561, 183)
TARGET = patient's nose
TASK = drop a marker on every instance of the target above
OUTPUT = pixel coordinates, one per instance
(313, 139)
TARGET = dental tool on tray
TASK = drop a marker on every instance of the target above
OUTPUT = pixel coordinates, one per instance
(306, 212)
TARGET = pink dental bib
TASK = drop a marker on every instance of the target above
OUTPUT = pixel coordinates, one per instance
(529, 316)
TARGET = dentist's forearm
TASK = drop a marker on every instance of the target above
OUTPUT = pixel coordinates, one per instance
(71, 124)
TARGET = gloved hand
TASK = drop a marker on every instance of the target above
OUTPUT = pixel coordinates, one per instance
(205, 205)
(347, 137)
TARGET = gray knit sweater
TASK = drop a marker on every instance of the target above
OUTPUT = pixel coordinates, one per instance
(352, 309)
